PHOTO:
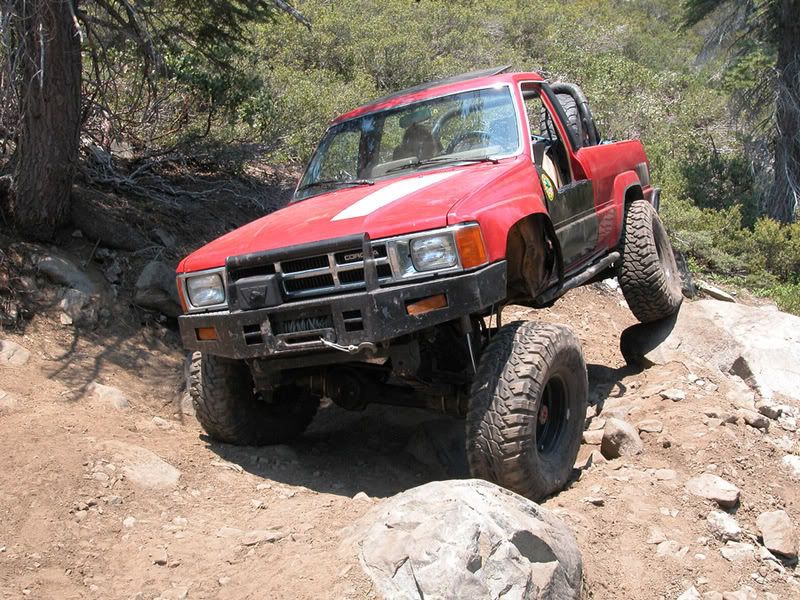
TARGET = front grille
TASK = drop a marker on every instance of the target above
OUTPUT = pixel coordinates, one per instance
(316, 275)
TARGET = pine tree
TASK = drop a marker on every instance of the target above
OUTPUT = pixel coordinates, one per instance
(745, 26)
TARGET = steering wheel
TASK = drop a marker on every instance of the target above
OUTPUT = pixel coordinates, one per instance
(478, 136)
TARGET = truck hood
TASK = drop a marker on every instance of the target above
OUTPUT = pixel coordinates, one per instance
(389, 207)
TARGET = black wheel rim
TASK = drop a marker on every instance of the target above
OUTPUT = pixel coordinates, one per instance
(552, 416)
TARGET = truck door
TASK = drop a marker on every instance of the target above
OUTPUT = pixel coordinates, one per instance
(567, 192)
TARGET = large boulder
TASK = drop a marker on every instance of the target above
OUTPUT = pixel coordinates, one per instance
(466, 539)
(761, 345)
(156, 289)
(101, 217)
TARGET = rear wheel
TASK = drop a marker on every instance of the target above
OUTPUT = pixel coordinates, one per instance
(648, 275)
(527, 409)
(231, 411)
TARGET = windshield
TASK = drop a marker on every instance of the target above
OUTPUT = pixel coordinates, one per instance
(464, 127)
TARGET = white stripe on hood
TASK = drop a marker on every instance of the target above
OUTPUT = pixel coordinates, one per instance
(392, 192)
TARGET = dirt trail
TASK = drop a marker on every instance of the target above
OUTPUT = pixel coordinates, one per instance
(266, 522)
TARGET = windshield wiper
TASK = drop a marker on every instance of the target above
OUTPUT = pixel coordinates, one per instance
(338, 182)
(437, 160)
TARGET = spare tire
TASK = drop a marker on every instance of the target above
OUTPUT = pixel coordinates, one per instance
(648, 274)
(570, 110)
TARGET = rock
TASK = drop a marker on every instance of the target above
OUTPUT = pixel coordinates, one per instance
(128, 522)
(174, 593)
(7, 401)
(690, 594)
(688, 286)
(12, 354)
(229, 532)
(440, 444)
(162, 423)
(79, 307)
(259, 536)
(362, 497)
(93, 213)
(665, 475)
(155, 289)
(737, 551)
(620, 439)
(60, 267)
(715, 292)
(673, 394)
(593, 437)
(671, 548)
(109, 395)
(160, 557)
(719, 413)
(595, 500)
(466, 539)
(724, 526)
(761, 345)
(771, 411)
(656, 536)
(714, 488)
(743, 593)
(165, 238)
(650, 426)
(778, 533)
(793, 463)
(595, 458)
(712, 596)
(141, 466)
(753, 418)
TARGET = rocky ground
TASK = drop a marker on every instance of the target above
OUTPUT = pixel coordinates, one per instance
(109, 489)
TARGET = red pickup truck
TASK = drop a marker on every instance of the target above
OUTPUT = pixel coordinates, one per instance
(418, 218)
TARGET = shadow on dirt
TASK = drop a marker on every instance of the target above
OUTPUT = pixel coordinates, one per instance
(606, 382)
(380, 451)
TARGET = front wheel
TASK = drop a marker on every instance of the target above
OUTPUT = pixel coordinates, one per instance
(527, 409)
(231, 411)
(648, 275)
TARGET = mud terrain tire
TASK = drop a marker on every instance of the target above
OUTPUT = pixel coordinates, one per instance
(648, 275)
(527, 409)
(230, 411)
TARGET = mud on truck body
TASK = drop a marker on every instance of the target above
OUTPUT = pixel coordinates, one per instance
(417, 219)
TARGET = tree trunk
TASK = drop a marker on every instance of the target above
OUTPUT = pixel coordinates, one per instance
(50, 95)
(786, 191)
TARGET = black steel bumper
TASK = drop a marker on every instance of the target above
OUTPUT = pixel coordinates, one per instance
(347, 319)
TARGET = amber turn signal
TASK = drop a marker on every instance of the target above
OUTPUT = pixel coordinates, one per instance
(206, 334)
(420, 307)
(182, 295)
(471, 248)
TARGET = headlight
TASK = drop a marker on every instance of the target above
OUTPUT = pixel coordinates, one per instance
(205, 290)
(434, 252)
(447, 250)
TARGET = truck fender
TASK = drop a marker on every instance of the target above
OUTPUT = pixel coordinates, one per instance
(626, 189)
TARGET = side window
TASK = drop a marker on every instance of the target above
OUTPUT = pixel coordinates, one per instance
(341, 157)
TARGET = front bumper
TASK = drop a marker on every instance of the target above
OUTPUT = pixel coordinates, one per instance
(347, 319)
